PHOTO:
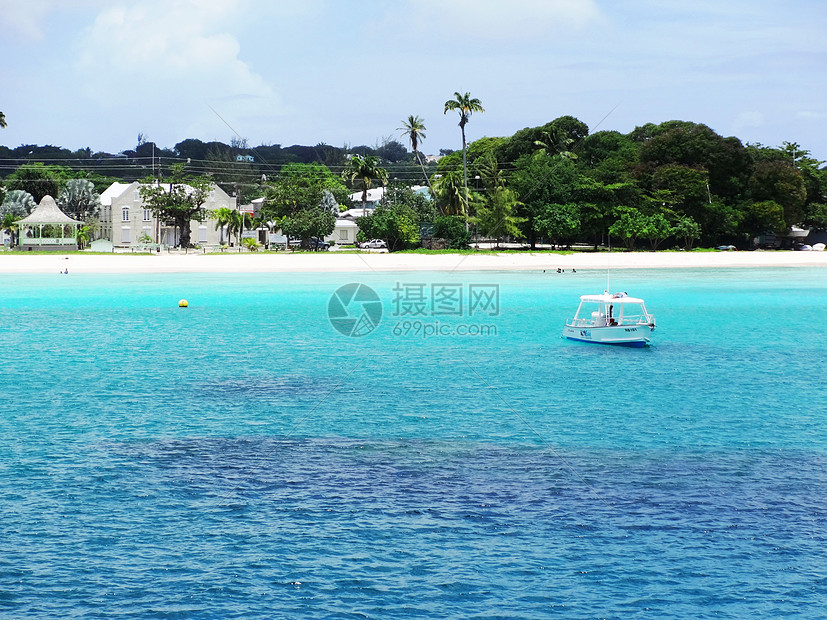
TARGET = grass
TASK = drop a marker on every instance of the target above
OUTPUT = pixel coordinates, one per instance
(482, 252)
(69, 253)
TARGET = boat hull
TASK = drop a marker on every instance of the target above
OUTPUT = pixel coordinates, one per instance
(622, 336)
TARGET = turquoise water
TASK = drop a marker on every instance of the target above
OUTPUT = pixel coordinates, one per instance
(241, 458)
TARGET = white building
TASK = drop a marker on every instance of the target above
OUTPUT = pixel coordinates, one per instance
(376, 194)
(127, 222)
(344, 233)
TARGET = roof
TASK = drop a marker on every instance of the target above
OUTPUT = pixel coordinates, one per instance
(117, 189)
(374, 195)
(617, 298)
(47, 212)
(354, 213)
(113, 191)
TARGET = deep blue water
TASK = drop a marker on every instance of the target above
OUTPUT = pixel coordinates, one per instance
(241, 458)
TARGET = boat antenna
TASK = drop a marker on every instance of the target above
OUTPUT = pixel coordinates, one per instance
(608, 265)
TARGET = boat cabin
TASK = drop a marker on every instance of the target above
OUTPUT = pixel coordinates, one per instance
(610, 310)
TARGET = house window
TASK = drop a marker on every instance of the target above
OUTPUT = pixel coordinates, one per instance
(147, 215)
(125, 214)
(343, 235)
(202, 234)
(125, 234)
(137, 196)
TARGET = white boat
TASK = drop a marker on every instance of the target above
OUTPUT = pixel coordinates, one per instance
(611, 319)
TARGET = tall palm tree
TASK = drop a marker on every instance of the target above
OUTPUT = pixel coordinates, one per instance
(238, 221)
(365, 170)
(414, 130)
(222, 218)
(465, 105)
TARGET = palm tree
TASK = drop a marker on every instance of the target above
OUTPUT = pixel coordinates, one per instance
(452, 194)
(7, 223)
(365, 170)
(236, 224)
(82, 237)
(496, 218)
(554, 143)
(414, 130)
(465, 105)
(222, 218)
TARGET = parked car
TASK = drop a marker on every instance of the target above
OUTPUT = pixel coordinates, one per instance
(726, 248)
(374, 244)
(803, 247)
(319, 244)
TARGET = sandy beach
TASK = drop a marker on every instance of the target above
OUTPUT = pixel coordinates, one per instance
(341, 262)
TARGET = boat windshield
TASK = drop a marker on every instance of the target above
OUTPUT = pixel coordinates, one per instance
(610, 312)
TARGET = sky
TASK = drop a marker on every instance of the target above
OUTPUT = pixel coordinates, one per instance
(96, 73)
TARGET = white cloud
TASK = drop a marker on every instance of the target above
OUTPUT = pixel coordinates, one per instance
(171, 58)
(24, 18)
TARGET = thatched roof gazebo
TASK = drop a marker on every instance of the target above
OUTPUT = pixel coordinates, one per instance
(48, 228)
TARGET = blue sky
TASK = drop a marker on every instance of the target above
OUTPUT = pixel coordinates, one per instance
(95, 73)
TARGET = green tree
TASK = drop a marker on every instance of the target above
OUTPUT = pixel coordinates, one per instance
(399, 193)
(629, 224)
(397, 225)
(365, 170)
(465, 106)
(3, 121)
(687, 230)
(238, 178)
(79, 200)
(236, 222)
(37, 179)
(452, 196)
(306, 224)
(414, 130)
(303, 199)
(656, 228)
(540, 181)
(555, 143)
(558, 223)
(762, 217)
(452, 229)
(496, 217)
(179, 198)
(222, 216)
(7, 223)
(564, 133)
(815, 215)
(780, 182)
(82, 237)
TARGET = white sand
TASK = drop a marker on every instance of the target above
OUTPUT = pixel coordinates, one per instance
(345, 262)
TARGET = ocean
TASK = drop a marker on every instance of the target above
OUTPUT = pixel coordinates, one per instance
(397, 445)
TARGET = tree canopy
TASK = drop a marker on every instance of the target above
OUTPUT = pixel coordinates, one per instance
(178, 198)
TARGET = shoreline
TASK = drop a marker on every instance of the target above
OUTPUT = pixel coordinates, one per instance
(342, 263)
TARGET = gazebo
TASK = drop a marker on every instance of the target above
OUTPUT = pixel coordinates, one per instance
(48, 228)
